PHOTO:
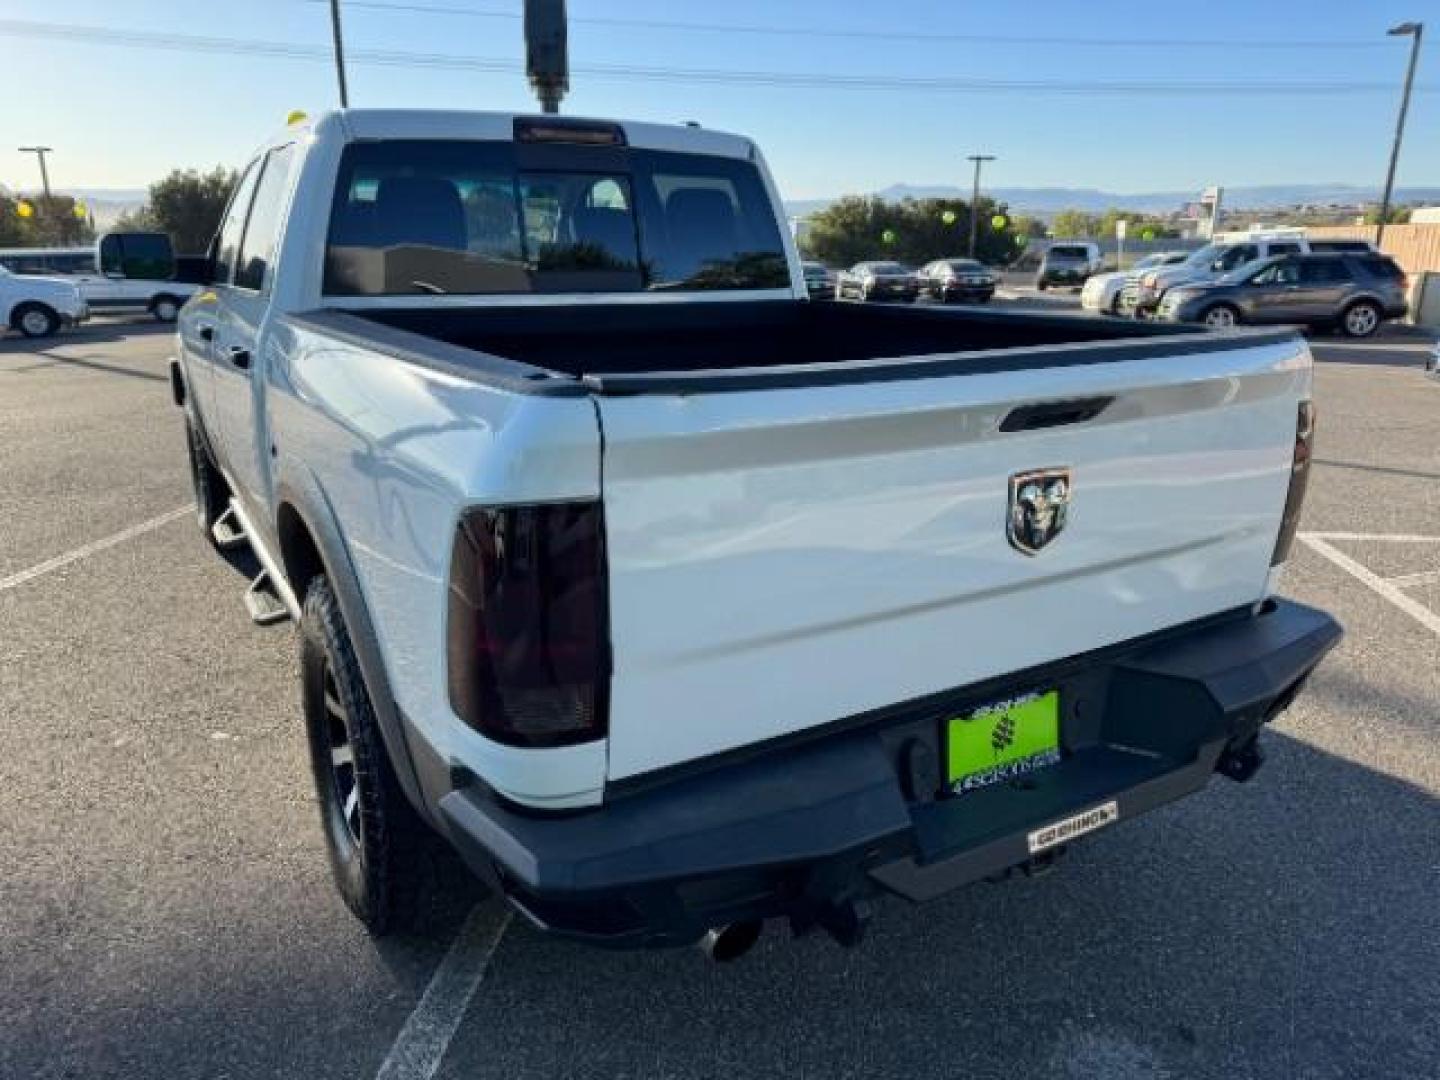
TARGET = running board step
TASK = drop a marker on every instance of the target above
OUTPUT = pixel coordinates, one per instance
(227, 531)
(263, 603)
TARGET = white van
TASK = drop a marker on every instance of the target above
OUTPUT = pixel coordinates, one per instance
(123, 272)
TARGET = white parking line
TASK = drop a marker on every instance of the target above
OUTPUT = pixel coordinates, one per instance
(1416, 610)
(49, 565)
(1424, 577)
(1389, 538)
(422, 1042)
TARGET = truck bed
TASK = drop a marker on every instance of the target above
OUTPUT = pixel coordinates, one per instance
(613, 345)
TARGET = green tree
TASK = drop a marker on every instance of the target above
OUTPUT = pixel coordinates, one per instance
(1072, 224)
(141, 219)
(850, 230)
(1026, 227)
(59, 221)
(187, 204)
(13, 228)
(1398, 215)
(913, 231)
(1138, 224)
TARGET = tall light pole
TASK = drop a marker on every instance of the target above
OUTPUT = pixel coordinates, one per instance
(1415, 31)
(40, 152)
(978, 159)
(339, 52)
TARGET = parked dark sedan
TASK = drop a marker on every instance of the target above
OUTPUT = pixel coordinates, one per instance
(957, 279)
(877, 281)
(1353, 292)
(819, 281)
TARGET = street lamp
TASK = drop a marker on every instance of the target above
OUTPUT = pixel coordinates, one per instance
(40, 152)
(1414, 31)
(978, 159)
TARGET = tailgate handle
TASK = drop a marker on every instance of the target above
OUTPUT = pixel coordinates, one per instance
(1054, 414)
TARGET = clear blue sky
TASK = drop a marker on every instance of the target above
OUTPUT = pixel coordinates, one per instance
(122, 116)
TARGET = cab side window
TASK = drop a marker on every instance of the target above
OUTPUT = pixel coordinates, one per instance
(262, 232)
(232, 226)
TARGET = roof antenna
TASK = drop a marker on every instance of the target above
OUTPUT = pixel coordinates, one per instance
(547, 60)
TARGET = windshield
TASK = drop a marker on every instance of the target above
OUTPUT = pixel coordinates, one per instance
(884, 268)
(430, 216)
(1067, 253)
(1206, 255)
(966, 266)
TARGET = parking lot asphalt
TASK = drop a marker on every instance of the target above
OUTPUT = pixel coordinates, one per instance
(166, 911)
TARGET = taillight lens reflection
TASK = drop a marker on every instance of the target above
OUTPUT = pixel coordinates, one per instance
(528, 652)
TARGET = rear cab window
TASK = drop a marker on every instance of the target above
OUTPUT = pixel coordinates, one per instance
(442, 217)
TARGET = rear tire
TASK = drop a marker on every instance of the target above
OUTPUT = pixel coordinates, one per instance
(165, 308)
(212, 494)
(1220, 317)
(1361, 319)
(35, 320)
(376, 842)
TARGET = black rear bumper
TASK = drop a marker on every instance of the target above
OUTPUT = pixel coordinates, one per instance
(805, 829)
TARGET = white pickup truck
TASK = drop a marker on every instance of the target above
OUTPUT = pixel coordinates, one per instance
(39, 306)
(676, 601)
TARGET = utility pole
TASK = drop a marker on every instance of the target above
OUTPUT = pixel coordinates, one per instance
(40, 152)
(339, 52)
(978, 159)
(1415, 31)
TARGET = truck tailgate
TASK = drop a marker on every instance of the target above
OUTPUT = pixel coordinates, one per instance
(783, 558)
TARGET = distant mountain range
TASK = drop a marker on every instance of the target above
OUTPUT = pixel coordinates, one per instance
(1043, 201)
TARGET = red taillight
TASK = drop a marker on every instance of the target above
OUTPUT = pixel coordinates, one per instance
(527, 642)
(1299, 477)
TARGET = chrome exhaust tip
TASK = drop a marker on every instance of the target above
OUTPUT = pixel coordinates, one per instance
(722, 944)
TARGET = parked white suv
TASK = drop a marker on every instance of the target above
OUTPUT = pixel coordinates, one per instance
(1103, 292)
(39, 306)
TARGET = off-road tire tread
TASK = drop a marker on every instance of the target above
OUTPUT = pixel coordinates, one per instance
(384, 893)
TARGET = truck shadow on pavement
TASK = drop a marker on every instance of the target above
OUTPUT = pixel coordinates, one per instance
(50, 360)
(95, 333)
(1282, 928)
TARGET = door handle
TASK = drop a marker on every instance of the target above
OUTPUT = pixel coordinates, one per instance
(239, 357)
(207, 333)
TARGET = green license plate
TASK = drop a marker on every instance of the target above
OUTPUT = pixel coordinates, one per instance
(1002, 741)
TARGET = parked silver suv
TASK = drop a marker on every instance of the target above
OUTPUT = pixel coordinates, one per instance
(1354, 293)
